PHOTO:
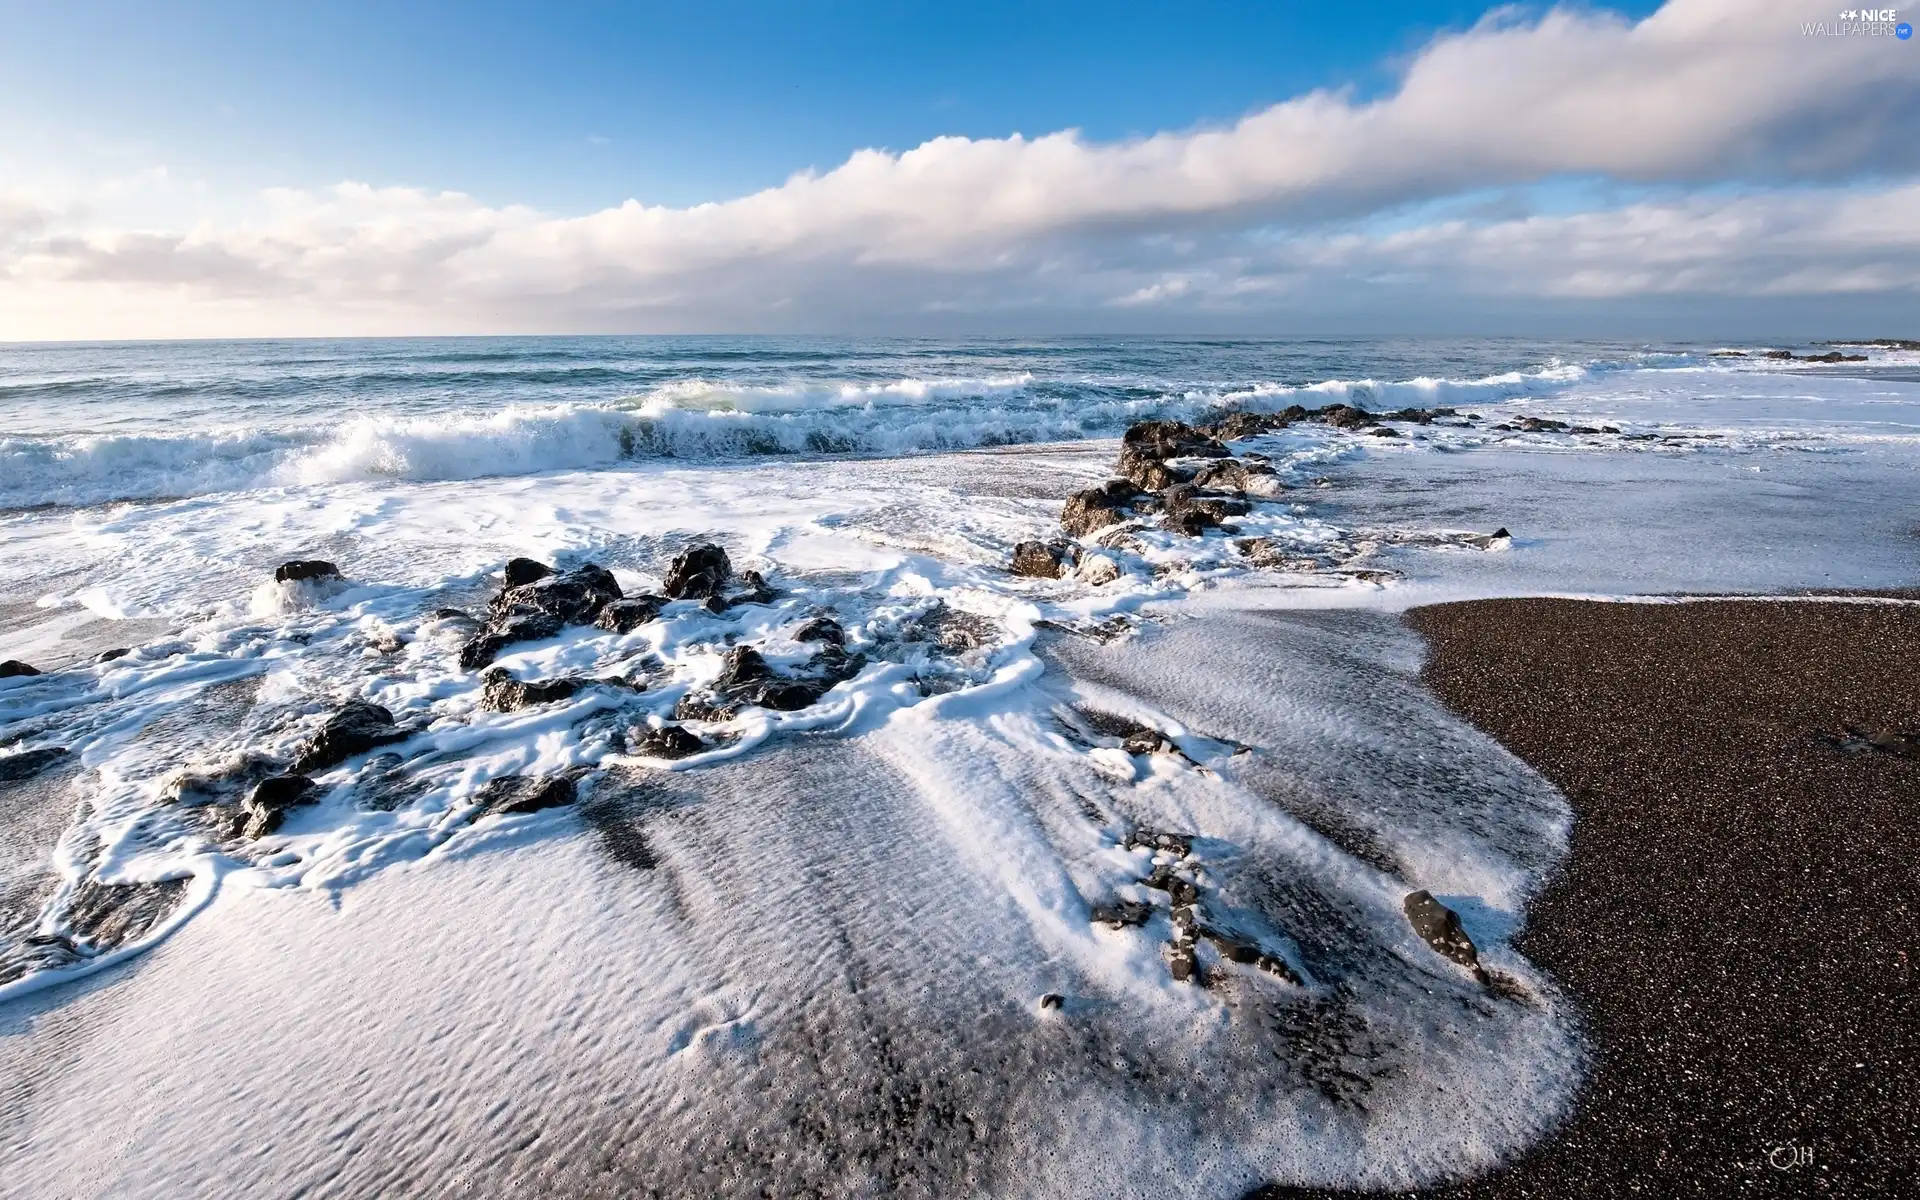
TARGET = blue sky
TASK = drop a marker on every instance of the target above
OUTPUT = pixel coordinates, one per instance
(573, 106)
(229, 169)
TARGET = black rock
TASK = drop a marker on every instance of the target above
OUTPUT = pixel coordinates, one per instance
(504, 631)
(28, 763)
(266, 806)
(744, 665)
(13, 668)
(1052, 1000)
(527, 793)
(1145, 471)
(1039, 560)
(748, 680)
(1179, 889)
(525, 570)
(1147, 838)
(1122, 913)
(1181, 962)
(1344, 416)
(574, 597)
(669, 741)
(754, 589)
(1235, 475)
(625, 616)
(1171, 439)
(1383, 431)
(822, 629)
(504, 693)
(305, 568)
(1237, 425)
(1439, 927)
(1188, 509)
(1780, 354)
(698, 572)
(1500, 533)
(107, 656)
(1097, 508)
(1237, 949)
(355, 729)
(1542, 425)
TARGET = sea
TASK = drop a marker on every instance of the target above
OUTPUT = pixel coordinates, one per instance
(1084, 885)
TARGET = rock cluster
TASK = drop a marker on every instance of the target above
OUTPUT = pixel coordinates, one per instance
(746, 679)
(1174, 869)
(1187, 476)
(1831, 356)
(537, 602)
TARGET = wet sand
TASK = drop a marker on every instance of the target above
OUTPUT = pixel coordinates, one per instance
(1739, 916)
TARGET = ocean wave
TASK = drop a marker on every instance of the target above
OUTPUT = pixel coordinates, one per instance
(688, 419)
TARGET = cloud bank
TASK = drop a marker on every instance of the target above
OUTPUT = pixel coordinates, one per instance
(1760, 162)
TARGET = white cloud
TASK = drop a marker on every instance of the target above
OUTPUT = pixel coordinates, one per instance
(1702, 91)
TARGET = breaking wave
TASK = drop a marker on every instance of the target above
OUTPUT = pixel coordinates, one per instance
(692, 419)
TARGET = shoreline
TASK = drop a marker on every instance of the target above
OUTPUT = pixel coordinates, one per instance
(1735, 915)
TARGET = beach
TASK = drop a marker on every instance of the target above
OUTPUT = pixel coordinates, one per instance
(1735, 917)
(607, 767)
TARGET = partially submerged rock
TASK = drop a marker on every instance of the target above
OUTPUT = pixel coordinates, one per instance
(1239, 475)
(511, 794)
(13, 668)
(539, 605)
(1145, 471)
(1096, 508)
(520, 571)
(1121, 914)
(303, 569)
(28, 763)
(1344, 416)
(1171, 439)
(625, 616)
(669, 741)
(1041, 560)
(502, 632)
(503, 693)
(1236, 426)
(355, 729)
(698, 572)
(1439, 927)
(573, 597)
(266, 806)
(1098, 569)
(821, 629)
(1189, 509)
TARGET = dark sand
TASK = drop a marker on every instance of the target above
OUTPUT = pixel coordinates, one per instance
(1737, 919)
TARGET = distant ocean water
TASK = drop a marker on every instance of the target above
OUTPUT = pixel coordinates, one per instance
(85, 424)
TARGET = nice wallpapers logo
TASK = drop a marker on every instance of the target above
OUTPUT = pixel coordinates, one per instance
(1861, 22)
